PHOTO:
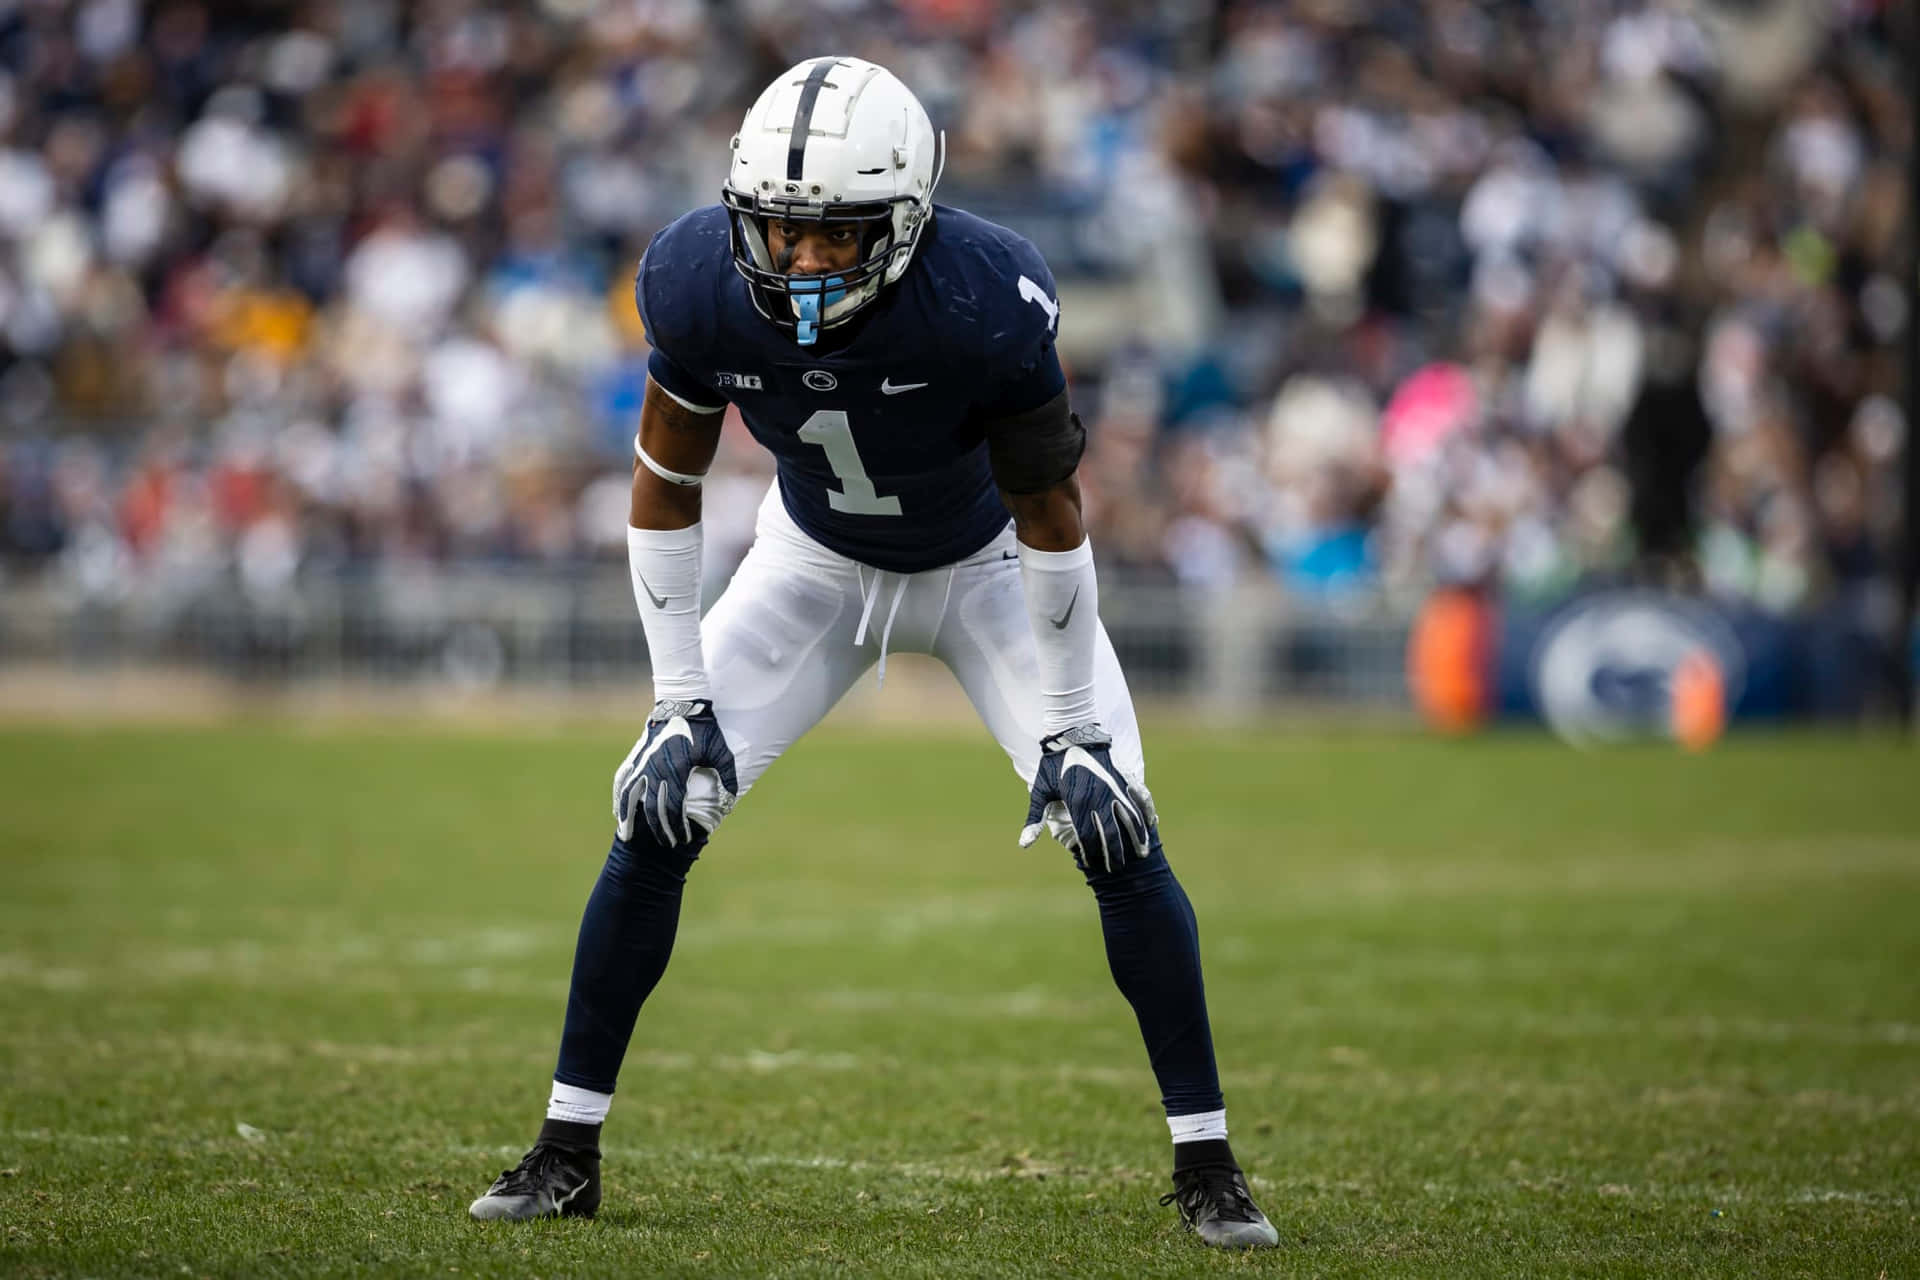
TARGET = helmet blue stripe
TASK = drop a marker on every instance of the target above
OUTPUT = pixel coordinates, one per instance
(803, 117)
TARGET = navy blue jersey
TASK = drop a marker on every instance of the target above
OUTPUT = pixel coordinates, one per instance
(879, 438)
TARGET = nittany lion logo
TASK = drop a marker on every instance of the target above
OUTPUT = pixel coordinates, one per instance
(1603, 670)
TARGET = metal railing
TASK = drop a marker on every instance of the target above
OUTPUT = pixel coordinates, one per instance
(485, 628)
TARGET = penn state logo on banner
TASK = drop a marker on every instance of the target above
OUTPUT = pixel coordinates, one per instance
(1625, 665)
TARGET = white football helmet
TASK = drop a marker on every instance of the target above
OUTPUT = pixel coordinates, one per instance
(831, 140)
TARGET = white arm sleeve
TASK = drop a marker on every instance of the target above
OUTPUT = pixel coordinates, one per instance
(1063, 604)
(665, 564)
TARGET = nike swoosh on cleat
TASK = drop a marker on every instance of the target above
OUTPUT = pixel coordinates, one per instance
(560, 1202)
(1060, 623)
(889, 388)
(659, 601)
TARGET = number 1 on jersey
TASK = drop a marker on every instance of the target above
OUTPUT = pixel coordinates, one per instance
(830, 429)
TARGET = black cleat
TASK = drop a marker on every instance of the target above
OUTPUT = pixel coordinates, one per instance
(551, 1181)
(1214, 1201)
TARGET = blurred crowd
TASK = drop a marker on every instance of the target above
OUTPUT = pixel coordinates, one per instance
(1360, 295)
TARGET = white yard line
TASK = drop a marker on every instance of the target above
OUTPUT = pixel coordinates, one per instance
(1604, 872)
(353, 968)
(1022, 1166)
(1348, 1072)
(71, 1139)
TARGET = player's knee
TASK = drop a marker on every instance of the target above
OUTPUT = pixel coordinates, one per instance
(642, 856)
(706, 804)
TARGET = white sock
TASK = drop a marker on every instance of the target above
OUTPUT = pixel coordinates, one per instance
(581, 1106)
(1199, 1128)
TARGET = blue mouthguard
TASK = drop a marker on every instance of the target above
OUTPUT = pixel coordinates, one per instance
(809, 294)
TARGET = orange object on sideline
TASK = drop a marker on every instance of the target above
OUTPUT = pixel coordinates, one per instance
(1699, 704)
(1449, 659)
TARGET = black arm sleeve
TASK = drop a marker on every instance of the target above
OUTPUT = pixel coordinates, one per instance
(1036, 449)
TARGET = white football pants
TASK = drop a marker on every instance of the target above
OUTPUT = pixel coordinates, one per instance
(799, 624)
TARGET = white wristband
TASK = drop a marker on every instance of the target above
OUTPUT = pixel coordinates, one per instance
(665, 565)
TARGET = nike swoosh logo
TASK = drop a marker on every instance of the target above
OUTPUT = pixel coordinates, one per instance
(1060, 623)
(659, 601)
(888, 388)
(1078, 758)
(674, 728)
(560, 1202)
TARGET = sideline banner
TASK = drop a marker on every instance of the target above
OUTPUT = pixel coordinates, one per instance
(1618, 665)
(1601, 665)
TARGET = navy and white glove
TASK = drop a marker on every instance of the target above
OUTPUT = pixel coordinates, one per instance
(1081, 796)
(651, 783)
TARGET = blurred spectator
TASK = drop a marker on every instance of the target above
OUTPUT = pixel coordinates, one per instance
(1362, 297)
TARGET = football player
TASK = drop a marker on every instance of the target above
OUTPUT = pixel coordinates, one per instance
(897, 358)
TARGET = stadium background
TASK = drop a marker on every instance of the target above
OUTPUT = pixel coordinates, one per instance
(318, 358)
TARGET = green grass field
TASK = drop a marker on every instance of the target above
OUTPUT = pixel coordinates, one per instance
(283, 1000)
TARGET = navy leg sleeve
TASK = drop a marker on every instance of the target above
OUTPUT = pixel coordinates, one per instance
(626, 938)
(1153, 950)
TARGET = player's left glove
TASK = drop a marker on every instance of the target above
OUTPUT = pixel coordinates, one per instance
(651, 784)
(1079, 794)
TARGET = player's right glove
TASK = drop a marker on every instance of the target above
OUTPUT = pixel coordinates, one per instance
(650, 785)
(1079, 794)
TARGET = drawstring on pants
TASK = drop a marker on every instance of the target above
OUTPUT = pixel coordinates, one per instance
(870, 594)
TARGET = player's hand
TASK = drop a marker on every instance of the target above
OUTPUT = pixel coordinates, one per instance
(1080, 795)
(651, 783)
